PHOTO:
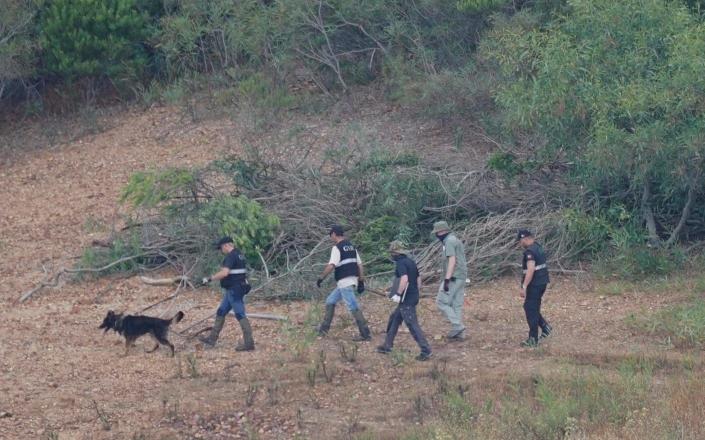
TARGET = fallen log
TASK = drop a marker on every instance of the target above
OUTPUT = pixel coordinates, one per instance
(166, 281)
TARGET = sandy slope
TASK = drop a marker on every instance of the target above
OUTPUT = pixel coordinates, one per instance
(60, 375)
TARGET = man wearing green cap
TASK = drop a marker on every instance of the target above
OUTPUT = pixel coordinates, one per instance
(451, 293)
(405, 292)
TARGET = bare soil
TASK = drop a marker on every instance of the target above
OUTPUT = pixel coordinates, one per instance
(61, 375)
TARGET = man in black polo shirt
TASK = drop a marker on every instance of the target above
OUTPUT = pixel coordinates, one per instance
(533, 285)
(405, 292)
(233, 281)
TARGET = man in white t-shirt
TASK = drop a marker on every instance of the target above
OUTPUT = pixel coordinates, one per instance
(346, 264)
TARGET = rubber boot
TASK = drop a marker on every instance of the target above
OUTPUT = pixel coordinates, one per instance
(546, 331)
(211, 339)
(248, 342)
(327, 319)
(362, 326)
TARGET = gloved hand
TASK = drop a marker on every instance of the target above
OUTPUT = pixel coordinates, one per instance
(396, 299)
(446, 284)
(319, 282)
(205, 280)
(360, 287)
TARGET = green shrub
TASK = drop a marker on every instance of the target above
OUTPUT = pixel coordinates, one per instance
(17, 43)
(93, 38)
(151, 188)
(640, 261)
(614, 87)
(244, 220)
(374, 238)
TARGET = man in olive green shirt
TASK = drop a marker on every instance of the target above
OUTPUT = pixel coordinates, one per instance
(451, 293)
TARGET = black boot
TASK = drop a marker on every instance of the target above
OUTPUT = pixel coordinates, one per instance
(546, 331)
(212, 338)
(327, 319)
(530, 343)
(248, 342)
(362, 326)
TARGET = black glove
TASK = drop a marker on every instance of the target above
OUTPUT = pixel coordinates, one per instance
(446, 284)
(319, 282)
(360, 287)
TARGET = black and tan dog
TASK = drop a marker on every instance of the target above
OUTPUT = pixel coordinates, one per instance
(132, 327)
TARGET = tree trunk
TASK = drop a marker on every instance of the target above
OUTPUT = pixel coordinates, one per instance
(649, 214)
(684, 215)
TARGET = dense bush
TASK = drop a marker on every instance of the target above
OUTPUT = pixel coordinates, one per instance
(93, 38)
(613, 88)
(17, 44)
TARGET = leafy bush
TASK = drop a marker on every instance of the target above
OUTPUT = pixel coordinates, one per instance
(616, 88)
(93, 38)
(17, 43)
(244, 220)
(641, 261)
(149, 189)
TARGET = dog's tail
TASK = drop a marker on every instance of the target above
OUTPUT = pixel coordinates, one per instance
(178, 317)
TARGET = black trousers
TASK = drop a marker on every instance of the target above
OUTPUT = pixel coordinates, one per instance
(406, 314)
(532, 308)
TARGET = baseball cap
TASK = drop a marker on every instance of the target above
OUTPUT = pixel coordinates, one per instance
(337, 230)
(523, 233)
(222, 241)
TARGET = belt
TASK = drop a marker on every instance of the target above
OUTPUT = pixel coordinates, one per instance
(237, 271)
(539, 267)
(346, 261)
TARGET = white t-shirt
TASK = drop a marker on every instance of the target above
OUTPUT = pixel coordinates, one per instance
(335, 260)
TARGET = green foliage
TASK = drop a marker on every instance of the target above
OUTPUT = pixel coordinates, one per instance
(590, 234)
(244, 220)
(374, 238)
(683, 324)
(506, 164)
(640, 261)
(615, 86)
(480, 5)
(151, 188)
(17, 43)
(93, 38)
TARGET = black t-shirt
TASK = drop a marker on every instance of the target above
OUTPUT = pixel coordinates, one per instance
(234, 261)
(535, 253)
(407, 266)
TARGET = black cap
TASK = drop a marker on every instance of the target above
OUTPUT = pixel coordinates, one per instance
(222, 241)
(337, 230)
(523, 233)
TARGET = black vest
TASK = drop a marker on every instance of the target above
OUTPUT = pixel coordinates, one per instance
(348, 261)
(541, 269)
(234, 261)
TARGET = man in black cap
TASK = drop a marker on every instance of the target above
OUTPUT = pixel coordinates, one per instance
(405, 292)
(533, 285)
(346, 264)
(233, 280)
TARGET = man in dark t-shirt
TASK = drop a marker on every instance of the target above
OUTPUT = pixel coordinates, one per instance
(405, 292)
(233, 281)
(533, 285)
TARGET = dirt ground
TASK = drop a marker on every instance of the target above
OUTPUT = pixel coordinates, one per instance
(60, 376)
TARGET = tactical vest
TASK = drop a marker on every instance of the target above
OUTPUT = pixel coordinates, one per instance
(541, 269)
(238, 271)
(348, 261)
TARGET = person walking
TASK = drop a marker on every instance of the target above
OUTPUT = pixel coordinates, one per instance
(534, 281)
(233, 281)
(451, 293)
(348, 271)
(405, 292)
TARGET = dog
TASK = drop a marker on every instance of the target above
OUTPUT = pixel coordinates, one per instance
(134, 326)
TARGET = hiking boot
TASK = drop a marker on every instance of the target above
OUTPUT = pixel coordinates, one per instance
(361, 326)
(248, 342)
(423, 357)
(456, 336)
(327, 319)
(212, 338)
(530, 343)
(546, 331)
(383, 349)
